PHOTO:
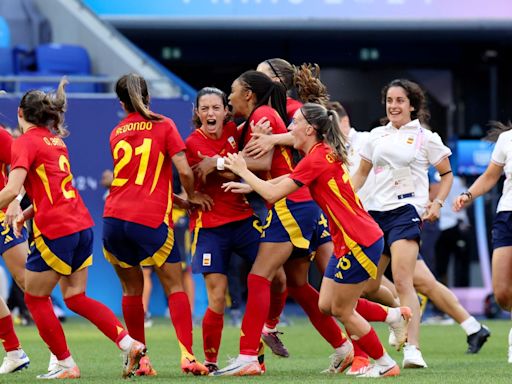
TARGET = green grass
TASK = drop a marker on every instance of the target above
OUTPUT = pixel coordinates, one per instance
(442, 346)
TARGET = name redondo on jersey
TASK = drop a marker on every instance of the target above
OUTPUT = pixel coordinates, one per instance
(138, 126)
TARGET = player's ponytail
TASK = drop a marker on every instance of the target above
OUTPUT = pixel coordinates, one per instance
(497, 128)
(132, 90)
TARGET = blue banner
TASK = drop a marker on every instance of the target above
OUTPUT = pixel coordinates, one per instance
(90, 122)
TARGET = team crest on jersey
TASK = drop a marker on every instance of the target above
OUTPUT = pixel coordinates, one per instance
(410, 140)
(232, 141)
(331, 157)
(207, 259)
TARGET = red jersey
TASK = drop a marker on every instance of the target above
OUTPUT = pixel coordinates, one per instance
(5, 155)
(58, 208)
(329, 182)
(228, 207)
(282, 162)
(142, 149)
(291, 107)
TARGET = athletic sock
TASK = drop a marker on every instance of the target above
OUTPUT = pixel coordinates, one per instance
(212, 333)
(258, 303)
(181, 316)
(307, 297)
(133, 313)
(47, 324)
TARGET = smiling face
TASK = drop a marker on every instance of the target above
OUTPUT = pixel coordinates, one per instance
(398, 107)
(239, 99)
(211, 112)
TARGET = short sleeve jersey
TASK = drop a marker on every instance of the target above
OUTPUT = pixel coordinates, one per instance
(5, 155)
(502, 156)
(411, 148)
(141, 191)
(291, 107)
(282, 162)
(329, 182)
(228, 207)
(59, 209)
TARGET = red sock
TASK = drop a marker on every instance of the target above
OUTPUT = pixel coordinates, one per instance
(48, 325)
(212, 332)
(133, 313)
(258, 303)
(371, 311)
(370, 344)
(181, 316)
(7, 335)
(307, 297)
(98, 314)
(277, 303)
(358, 352)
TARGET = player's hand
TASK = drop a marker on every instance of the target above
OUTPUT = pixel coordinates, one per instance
(460, 202)
(237, 187)
(13, 210)
(202, 200)
(235, 163)
(259, 145)
(17, 225)
(181, 202)
(433, 212)
(206, 166)
(261, 126)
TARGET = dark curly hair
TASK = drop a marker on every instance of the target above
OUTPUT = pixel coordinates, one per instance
(416, 97)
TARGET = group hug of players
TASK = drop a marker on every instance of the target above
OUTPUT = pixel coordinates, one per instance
(302, 157)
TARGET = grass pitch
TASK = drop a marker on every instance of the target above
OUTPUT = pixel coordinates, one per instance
(443, 348)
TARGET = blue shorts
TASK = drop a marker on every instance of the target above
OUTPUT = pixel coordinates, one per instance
(9, 240)
(502, 230)
(402, 223)
(293, 222)
(360, 264)
(128, 244)
(321, 234)
(212, 247)
(64, 255)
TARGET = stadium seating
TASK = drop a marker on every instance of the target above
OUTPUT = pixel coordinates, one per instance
(59, 60)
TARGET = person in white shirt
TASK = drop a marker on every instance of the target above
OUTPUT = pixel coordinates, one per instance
(400, 153)
(501, 162)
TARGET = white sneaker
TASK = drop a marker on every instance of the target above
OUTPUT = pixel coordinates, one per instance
(399, 327)
(238, 367)
(341, 361)
(61, 372)
(510, 354)
(53, 363)
(377, 370)
(413, 357)
(11, 364)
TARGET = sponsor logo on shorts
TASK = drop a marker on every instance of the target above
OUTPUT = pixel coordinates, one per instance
(207, 259)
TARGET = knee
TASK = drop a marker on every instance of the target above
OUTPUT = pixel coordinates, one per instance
(403, 285)
(503, 297)
(325, 307)
(217, 302)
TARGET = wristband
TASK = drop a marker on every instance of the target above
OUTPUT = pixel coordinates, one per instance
(440, 202)
(468, 194)
(20, 197)
(220, 164)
